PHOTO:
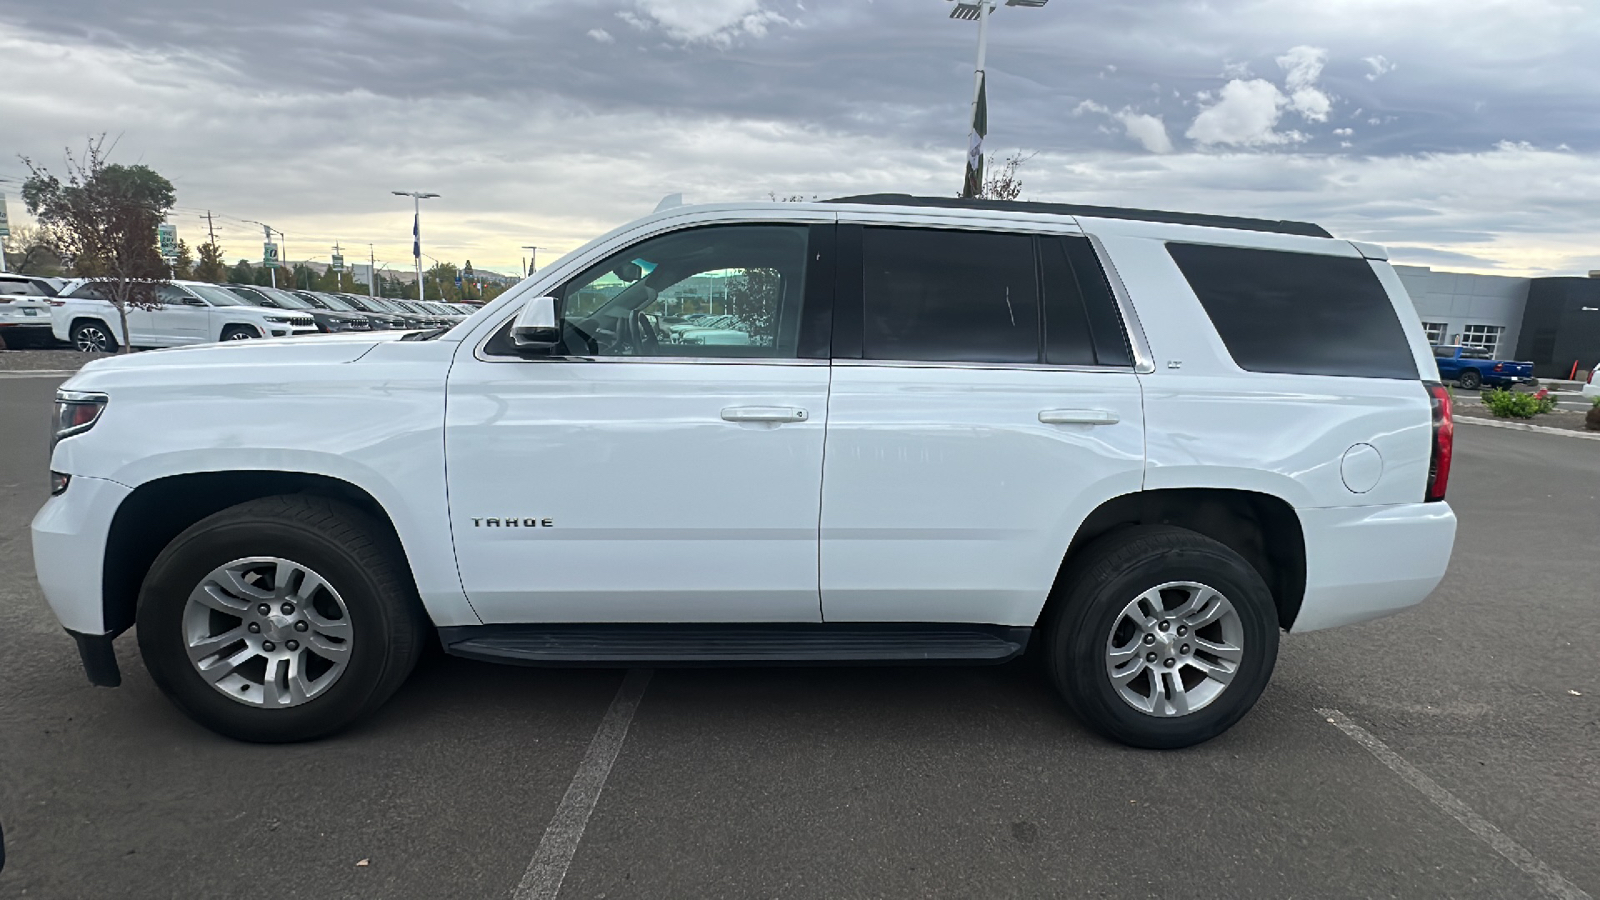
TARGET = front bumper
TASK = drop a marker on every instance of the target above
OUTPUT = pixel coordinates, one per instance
(69, 549)
(1366, 562)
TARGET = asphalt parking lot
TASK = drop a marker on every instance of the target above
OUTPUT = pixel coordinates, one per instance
(1462, 758)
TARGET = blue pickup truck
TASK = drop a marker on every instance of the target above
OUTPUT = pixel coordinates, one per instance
(1474, 367)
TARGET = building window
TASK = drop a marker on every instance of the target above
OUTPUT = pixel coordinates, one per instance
(1435, 332)
(1485, 337)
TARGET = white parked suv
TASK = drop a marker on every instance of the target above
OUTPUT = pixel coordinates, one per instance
(25, 310)
(928, 431)
(187, 312)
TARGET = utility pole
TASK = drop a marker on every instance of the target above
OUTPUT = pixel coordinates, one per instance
(338, 272)
(211, 230)
(372, 272)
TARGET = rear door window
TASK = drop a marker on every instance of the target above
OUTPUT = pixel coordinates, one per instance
(949, 296)
(1298, 313)
(1081, 321)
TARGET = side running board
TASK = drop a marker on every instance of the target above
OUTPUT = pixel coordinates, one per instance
(712, 645)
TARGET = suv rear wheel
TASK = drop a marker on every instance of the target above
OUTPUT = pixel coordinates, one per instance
(281, 619)
(1161, 637)
(239, 333)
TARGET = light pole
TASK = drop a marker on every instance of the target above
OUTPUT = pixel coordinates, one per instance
(416, 228)
(272, 271)
(967, 11)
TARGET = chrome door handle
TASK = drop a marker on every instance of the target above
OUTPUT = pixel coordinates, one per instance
(1079, 417)
(763, 414)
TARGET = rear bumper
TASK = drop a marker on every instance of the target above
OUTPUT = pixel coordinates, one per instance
(69, 550)
(1367, 562)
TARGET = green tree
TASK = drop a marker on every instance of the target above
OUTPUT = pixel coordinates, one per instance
(211, 267)
(242, 273)
(104, 218)
(183, 264)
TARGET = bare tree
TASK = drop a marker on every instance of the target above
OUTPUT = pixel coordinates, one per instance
(1004, 183)
(103, 218)
(28, 252)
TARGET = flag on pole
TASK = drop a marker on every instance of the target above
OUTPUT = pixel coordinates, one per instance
(973, 185)
(416, 236)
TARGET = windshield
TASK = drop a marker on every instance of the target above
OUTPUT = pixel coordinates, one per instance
(216, 296)
(335, 302)
(284, 298)
(247, 296)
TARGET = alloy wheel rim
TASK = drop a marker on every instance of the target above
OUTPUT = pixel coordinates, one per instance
(92, 340)
(1174, 649)
(267, 632)
(238, 336)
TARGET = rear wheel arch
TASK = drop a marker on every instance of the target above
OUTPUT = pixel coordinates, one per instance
(1262, 528)
(158, 511)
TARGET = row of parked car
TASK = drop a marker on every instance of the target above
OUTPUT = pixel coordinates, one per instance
(40, 312)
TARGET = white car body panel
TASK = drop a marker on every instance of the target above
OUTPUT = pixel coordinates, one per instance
(941, 495)
(931, 498)
(375, 424)
(659, 504)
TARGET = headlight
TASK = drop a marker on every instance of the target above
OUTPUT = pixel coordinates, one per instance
(76, 412)
(279, 319)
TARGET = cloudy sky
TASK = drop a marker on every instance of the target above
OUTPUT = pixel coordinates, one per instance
(1464, 134)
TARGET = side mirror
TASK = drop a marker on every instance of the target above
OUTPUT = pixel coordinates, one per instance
(538, 326)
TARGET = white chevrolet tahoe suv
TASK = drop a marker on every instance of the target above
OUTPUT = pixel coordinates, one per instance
(185, 312)
(1138, 444)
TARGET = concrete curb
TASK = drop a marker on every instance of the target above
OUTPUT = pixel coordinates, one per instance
(1542, 429)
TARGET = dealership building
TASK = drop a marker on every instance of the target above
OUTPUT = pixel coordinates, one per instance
(1552, 322)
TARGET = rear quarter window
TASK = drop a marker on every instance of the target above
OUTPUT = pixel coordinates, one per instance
(1298, 313)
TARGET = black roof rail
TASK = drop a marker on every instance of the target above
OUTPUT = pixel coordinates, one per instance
(1271, 226)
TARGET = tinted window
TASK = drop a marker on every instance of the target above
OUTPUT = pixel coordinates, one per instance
(89, 291)
(959, 296)
(1444, 352)
(1298, 313)
(1081, 323)
(1105, 322)
(1066, 322)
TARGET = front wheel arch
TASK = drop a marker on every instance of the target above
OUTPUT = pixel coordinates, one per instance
(158, 511)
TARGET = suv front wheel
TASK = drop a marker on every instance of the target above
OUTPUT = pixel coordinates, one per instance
(280, 619)
(1161, 637)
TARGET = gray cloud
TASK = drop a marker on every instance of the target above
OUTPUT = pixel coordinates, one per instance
(546, 123)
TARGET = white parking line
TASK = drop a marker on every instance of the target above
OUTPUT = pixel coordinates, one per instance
(1548, 878)
(38, 373)
(549, 865)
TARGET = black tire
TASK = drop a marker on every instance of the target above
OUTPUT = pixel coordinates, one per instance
(1470, 380)
(239, 333)
(1090, 600)
(361, 560)
(93, 336)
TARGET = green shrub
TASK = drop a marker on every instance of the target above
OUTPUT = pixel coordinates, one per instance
(1511, 405)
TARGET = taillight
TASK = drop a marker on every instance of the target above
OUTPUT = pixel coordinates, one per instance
(1499, 367)
(1444, 438)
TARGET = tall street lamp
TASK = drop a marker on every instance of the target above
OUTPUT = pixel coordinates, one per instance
(416, 229)
(533, 257)
(968, 11)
